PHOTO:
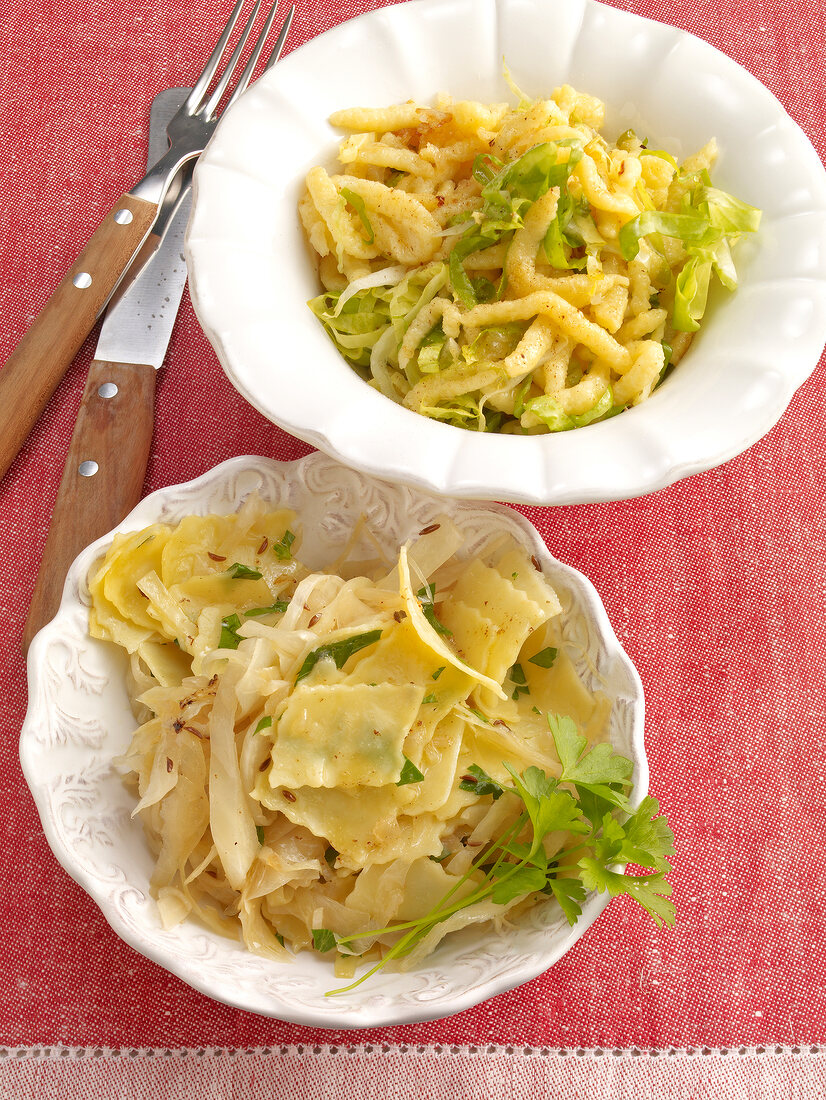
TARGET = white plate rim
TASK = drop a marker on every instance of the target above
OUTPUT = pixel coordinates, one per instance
(557, 469)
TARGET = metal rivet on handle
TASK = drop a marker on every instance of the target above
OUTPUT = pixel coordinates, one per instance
(82, 280)
(108, 389)
(88, 468)
(123, 217)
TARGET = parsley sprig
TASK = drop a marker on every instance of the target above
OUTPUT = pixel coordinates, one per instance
(584, 802)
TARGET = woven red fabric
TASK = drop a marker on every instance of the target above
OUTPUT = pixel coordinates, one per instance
(715, 586)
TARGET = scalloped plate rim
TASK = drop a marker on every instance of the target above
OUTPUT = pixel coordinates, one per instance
(150, 942)
(381, 459)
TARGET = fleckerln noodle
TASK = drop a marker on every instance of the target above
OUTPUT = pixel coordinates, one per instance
(513, 270)
(333, 760)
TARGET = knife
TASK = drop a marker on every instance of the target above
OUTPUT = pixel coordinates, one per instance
(109, 450)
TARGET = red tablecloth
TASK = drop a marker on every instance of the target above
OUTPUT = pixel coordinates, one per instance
(715, 586)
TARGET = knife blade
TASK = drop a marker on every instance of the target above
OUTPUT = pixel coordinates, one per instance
(109, 450)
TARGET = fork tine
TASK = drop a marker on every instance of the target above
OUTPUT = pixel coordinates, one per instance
(282, 38)
(211, 105)
(246, 75)
(249, 69)
(199, 90)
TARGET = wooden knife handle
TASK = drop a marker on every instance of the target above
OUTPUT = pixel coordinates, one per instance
(113, 433)
(42, 357)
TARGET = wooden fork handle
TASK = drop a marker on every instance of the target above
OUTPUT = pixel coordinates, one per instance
(103, 477)
(42, 357)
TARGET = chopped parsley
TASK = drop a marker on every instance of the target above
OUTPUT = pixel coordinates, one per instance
(279, 607)
(283, 547)
(409, 774)
(426, 597)
(340, 651)
(230, 638)
(545, 657)
(241, 572)
(323, 940)
(517, 677)
(479, 782)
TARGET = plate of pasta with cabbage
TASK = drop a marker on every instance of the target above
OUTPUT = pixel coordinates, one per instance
(575, 258)
(338, 751)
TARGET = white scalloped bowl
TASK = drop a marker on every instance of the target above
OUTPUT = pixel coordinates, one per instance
(251, 277)
(79, 720)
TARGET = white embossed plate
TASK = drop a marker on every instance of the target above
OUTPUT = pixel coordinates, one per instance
(79, 719)
(250, 275)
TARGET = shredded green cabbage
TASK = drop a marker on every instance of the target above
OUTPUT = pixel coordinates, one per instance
(711, 221)
(367, 314)
(358, 204)
(356, 328)
(508, 190)
(557, 420)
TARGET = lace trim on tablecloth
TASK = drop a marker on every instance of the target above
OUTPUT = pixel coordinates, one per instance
(58, 1052)
(377, 1071)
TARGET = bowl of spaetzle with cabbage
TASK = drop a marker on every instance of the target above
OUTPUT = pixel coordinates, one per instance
(338, 751)
(508, 269)
(575, 274)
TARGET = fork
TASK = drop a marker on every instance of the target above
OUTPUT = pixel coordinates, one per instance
(40, 360)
